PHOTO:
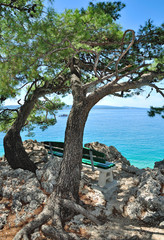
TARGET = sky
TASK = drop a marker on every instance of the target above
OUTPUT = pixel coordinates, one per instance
(133, 15)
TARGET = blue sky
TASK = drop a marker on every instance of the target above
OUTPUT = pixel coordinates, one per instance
(133, 15)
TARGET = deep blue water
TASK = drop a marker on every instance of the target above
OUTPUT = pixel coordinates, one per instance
(138, 137)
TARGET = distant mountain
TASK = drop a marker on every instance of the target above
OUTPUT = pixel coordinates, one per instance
(10, 106)
(95, 107)
(106, 107)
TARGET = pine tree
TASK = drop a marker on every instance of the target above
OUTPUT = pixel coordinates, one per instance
(86, 53)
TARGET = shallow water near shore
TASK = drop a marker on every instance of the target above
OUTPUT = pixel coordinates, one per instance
(137, 136)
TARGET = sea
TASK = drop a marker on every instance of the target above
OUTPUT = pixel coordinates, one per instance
(137, 136)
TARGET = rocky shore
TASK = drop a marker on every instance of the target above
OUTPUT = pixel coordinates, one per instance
(132, 207)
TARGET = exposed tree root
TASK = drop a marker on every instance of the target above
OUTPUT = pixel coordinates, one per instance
(52, 211)
(37, 222)
(77, 208)
(55, 234)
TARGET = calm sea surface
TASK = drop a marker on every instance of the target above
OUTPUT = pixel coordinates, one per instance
(138, 137)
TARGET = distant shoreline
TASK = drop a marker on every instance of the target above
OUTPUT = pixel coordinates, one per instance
(95, 107)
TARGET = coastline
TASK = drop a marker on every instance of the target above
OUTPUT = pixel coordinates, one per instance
(138, 137)
(133, 208)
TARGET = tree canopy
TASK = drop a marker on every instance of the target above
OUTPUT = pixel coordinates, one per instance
(21, 62)
(81, 51)
(43, 46)
(156, 110)
(38, 49)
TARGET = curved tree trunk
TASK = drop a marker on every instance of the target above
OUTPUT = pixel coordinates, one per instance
(15, 152)
(70, 173)
(13, 146)
(63, 201)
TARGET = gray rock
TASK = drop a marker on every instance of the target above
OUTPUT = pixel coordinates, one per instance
(49, 174)
(78, 219)
(15, 182)
(3, 220)
(1, 186)
(30, 191)
(35, 150)
(35, 235)
(2, 206)
(31, 206)
(161, 224)
(29, 194)
(48, 187)
(150, 217)
(20, 218)
(113, 155)
(5, 171)
(16, 205)
(39, 174)
(18, 174)
(7, 192)
(138, 194)
(159, 164)
(34, 205)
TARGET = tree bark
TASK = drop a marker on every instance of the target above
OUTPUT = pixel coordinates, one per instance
(15, 152)
(110, 88)
(70, 172)
(13, 146)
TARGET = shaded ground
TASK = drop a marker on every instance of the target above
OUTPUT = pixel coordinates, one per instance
(115, 207)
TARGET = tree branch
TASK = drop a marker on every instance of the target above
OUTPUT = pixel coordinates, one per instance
(100, 80)
(39, 220)
(145, 80)
(123, 53)
(92, 84)
(77, 208)
(158, 90)
(9, 110)
(26, 8)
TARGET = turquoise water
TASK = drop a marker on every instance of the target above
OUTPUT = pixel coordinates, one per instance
(138, 137)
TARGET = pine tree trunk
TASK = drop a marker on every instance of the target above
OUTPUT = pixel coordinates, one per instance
(70, 173)
(13, 146)
(15, 152)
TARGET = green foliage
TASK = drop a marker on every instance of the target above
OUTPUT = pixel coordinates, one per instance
(156, 110)
(42, 115)
(109, 8)
(7, 118)
(22, 60)
(15, 21)
(152, 40)
(40, 47)
(13, 7)
(158, 65)
(37, 48)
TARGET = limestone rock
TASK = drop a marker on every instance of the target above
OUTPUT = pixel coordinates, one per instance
(113, 155)
(138, 196)
(161, 224)
(160, 166)
(49, 174)
(3, 220)
(35, 150)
